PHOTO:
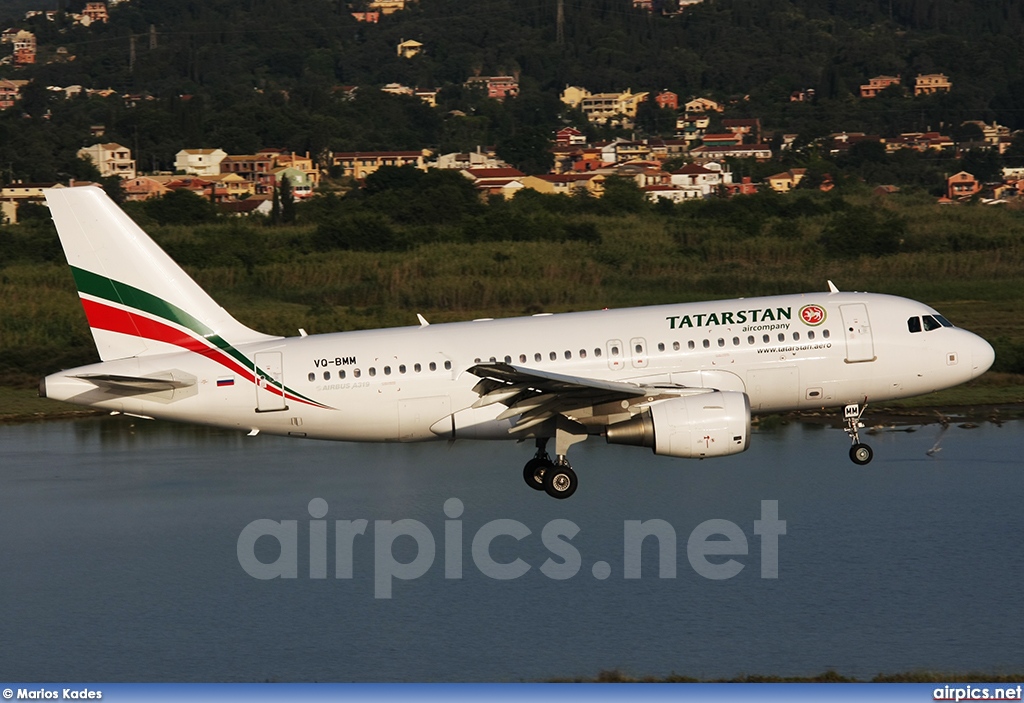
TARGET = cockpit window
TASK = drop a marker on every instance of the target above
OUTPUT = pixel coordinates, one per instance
(930, 323)
(943, 321)
(914, 324)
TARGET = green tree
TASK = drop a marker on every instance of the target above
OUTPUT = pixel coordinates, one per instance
(180, 207)
(529, 150)
(863, 230)
(287, 201)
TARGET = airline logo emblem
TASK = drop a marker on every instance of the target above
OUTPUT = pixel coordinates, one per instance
(812, 315)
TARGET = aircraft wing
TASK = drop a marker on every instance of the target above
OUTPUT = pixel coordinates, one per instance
(536, 396)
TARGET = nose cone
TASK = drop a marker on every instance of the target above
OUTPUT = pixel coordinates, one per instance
(982, 357)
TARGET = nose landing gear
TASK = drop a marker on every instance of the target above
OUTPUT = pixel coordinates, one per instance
(860, 453)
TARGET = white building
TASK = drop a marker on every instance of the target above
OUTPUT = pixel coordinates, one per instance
(111, 159)
(199, 162)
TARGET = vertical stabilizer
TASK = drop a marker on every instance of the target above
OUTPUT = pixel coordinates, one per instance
(137, 300)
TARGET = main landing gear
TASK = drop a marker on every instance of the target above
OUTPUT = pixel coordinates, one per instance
(556, 478)
(860, 453)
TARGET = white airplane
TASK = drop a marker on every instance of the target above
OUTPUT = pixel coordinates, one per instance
(681, 379)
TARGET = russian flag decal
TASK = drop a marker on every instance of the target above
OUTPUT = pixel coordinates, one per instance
(227, 381)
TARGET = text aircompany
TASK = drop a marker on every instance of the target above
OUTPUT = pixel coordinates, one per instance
(739, 317)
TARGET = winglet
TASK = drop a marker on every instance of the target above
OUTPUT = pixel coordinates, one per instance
(832, 287)
(423, 320)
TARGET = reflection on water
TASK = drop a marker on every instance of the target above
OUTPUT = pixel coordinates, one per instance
(119, 538)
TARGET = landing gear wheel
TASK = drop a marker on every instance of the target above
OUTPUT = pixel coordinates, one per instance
(560, 481)
(533, 472)
(861, 454)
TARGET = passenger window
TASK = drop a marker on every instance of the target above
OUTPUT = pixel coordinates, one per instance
(825, 334)
(661, 346)
(782, 337)
(675, 346)
(583, 353)
(387, 370)
(552, 356)
(522, 358)
(417, 368)
(930, 323)
(312, 376)
(448, 366)
(690, 345)
(373, 371)
(639, 349)
(341, 374)
(356, 373)
(508, 359)
(568, 354)
(401, 368)
(914, 324)
(615, 351)
(810, 334)
(750, 340)
(721, 342)
(707, 343)
(766, 339)
(597, 351)
(735, 341)
(537, 356)
(432, 367)
(796, 336)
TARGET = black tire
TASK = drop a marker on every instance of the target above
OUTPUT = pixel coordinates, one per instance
(560, 482)
(533, 473)
(861, 454)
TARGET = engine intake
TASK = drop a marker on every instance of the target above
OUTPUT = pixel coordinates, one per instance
(696, 426)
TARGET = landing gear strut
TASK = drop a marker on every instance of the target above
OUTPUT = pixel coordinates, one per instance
(860, 453)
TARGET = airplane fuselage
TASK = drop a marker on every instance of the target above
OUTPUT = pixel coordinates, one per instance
(788, 352)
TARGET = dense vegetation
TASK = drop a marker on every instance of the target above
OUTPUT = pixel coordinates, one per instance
(380, 258)
(245, 74)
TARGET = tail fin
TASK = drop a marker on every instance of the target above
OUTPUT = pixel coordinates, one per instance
(137, 300)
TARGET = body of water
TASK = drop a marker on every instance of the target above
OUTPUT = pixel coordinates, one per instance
(119, 558)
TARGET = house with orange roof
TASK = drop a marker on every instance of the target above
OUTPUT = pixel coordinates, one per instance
(360, 164)
(876, 85)
(143, 188)
(787, 180)
(505, 182)
(931, 83)
(962, 185)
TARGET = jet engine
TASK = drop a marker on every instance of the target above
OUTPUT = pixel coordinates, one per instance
(695, 426)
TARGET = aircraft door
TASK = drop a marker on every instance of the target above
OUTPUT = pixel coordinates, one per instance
(616, 355)
(269, 368)
(857, 330)
(638, 352)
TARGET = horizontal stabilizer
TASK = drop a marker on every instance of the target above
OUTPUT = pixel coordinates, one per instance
(137, 384)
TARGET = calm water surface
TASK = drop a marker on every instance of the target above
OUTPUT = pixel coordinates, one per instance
(118, 559)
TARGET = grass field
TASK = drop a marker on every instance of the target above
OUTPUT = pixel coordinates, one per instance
(967, 262)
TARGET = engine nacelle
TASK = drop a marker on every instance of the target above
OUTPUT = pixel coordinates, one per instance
(694, 426)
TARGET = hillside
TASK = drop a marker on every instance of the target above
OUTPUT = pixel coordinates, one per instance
(243, 75)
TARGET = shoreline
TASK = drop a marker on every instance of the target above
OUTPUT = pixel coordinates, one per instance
(877, 418)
